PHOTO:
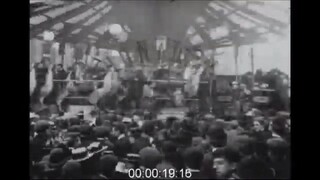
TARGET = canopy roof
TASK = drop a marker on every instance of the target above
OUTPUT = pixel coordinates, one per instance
(207, 23)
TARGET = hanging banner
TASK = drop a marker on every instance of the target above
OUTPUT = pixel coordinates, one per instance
(161, 43)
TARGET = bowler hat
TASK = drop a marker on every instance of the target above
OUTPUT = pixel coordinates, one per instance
(57, 158)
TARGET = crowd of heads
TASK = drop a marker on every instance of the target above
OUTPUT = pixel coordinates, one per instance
(256, 146)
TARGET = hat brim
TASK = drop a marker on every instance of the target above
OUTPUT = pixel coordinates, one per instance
(99, 151)
(84, 158)
(107, 152)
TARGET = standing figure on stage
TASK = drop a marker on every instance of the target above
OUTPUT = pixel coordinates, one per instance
(148, 95)
(178, 97)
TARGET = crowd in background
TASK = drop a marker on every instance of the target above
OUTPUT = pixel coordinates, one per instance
(256, 145)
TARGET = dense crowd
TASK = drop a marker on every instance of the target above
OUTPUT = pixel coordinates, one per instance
(257, 145)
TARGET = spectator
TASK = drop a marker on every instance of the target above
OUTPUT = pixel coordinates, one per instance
(107, 166)
(193, 158)
(278, 152)
(71, 170)
(150, 157)
(225, 162)
(254, 168)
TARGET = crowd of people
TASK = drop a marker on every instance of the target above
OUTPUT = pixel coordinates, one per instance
(256, 145)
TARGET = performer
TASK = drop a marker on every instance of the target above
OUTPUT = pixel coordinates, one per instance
(148, 95)
(178, 97)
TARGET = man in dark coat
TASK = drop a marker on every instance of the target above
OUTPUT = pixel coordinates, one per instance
(122, 144)
(39, 144)
(107, 166)
(216, 139)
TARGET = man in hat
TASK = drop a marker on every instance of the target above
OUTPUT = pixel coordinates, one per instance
(254, 168)
(150, 157)
(171, 156)
(216, 138)
(148, 130)
(86, 134)
(71, 170)
(101, 134)
(40, 140)
(107, 166)
(55, 161)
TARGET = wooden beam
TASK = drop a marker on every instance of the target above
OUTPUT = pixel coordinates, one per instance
(235, 37)
(257, 15)
(43, 11)
(62, 34)
(268, 27)
(88, 29)
(37, 29)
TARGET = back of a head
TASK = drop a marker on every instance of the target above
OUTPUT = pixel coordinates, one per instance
(217, 135)
(122, 148)
(170, 120)
(149, 157)
(278, 147)
(193, 157)
(108, 164)
(253, 168)
(279, 125)
(148, 127)
(120, 127)
(101, 131)
(71, 170)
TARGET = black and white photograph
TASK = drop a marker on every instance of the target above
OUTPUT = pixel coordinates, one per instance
(159, 89)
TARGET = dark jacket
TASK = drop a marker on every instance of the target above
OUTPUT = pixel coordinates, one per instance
(207, 167)
(139, 144)
(38, 148)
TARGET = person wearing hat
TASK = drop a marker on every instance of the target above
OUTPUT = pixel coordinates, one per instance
(150, 157)
(40, 140)
(148, 131)
(86, 134)
(84, 157)
(101, 134)
(171, 156)
(254, 168)
(57, 158)
(107, 166)
(71, 170)
(216, 138)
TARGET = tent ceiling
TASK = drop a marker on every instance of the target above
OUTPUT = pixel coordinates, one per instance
(77, 21)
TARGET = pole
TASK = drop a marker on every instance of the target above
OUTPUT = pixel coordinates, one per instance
(236, 53)
(252, 65)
